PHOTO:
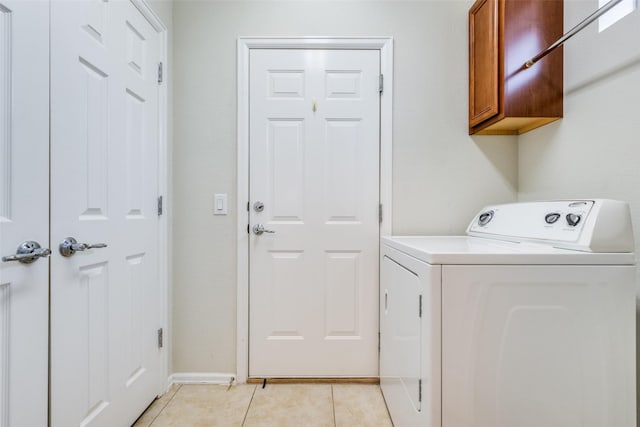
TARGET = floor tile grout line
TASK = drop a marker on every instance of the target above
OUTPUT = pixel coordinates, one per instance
(386, 408)
(165, 405)
(244, 419)
(333, 406)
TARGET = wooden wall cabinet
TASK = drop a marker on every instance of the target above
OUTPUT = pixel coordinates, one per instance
(505, 98)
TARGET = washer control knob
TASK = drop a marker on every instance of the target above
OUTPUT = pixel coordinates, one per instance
(484, 218)
(552, 218)
(573, 219)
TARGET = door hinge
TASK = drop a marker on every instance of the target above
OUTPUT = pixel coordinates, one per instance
(381, 83)
(247, 228)
(247, 206)
(420, 390)
(420, 306)
(378, 342)
(380, 213)
(159, 205)
(160, 338)
(160, 76)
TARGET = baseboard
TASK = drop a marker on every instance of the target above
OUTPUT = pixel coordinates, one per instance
(226, 379)
(202, 378)
(317, 380)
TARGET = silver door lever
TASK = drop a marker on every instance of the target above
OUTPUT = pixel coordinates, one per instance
(70, 246)
(259, 229)
(28, 252)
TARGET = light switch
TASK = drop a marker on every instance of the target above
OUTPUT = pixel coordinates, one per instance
(220, 204)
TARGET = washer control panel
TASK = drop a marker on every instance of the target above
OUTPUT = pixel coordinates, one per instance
(563, 223)
(546, 220)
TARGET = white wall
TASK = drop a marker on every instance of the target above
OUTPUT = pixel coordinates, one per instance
(441, 176)
(595, 150)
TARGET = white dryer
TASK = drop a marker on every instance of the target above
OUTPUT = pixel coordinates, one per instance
(528, 321)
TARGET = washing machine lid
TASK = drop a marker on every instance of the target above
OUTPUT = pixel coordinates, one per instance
(469, 250)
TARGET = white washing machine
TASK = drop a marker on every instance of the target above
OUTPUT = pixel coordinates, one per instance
(528, 321)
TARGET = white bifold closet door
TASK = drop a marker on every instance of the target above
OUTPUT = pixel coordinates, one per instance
(105, 308)
(314, 165)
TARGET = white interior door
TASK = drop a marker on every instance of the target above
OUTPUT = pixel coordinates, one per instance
(314, 165)
(105, 302)
(24, 211)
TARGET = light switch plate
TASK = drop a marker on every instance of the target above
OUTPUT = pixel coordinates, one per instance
(220, 204)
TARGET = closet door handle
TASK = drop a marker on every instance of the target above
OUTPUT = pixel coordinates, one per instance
(70, 246)
(28, 252)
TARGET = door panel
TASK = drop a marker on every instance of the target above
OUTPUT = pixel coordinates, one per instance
(314, 156)
(286, 169)
(342, 286)
(24, 211)
(484, 61)
(104, 181)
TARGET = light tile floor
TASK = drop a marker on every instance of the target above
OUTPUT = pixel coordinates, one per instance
(276, 405)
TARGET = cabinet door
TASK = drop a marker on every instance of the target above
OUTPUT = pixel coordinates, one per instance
(483, 61)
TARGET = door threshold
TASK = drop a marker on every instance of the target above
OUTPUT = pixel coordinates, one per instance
(318, 380)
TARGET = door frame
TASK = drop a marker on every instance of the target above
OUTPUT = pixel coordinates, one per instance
(245, 44)
(164, 188)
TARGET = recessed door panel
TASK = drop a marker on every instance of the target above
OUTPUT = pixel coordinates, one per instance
(5, 343)
(136, 49)
(287, 290)
(135, 139)
(137, 310)
(286, 84)
(343, 145)
(343, 281)
(345, 84)
(94, 335)
(6, 38)
(286, 166)
(95, 21)
(93, 133)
